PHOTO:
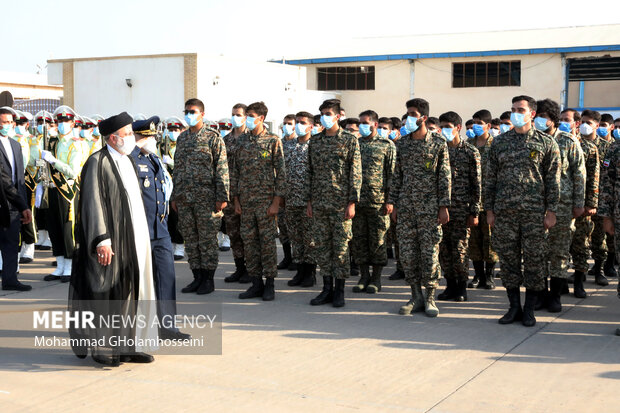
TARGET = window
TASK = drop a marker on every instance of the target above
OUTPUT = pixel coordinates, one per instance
(485, 74)
(346, 78)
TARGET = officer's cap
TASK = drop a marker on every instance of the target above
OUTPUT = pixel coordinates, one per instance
(64, 113)
(146, 127)
(176, 121)
(44, 115)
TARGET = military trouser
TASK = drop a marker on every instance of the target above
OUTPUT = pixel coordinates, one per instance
(40, 216)
(331, 237)
(480, 248)
(370, 225)
(233, 230)
(560, 237)
(300, 230)
(580, 245)
(419, 237)
(520, 237)
(453, 249)
(29, 231)
(393, 239)
(60, 224)
(282, 227)
(173, 227)
(199, 227)
(259, 233)
(598, 244)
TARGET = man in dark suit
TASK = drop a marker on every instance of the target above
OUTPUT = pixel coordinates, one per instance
(13, 207)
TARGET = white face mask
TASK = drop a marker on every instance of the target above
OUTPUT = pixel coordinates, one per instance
(53, 132)
(150, 146)
(585, 129)
(129, 143)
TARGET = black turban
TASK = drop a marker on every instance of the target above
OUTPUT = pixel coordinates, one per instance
(112, 124)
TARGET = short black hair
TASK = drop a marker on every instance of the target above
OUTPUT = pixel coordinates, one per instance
(404, 117)
(606, 117)
(616, 120)
(195, 102)
(317, 118)
(432, 121)
(6, 112)
(349, 121)
(396, 123)
(290, 116)
(530, 101)
(484, 115)
(387, 121)
(331, 104)
(592, 114)
(505, 115)
(496, 121)
(575, 112)
(371, 114)
(241, 106)
(469, 122)
(551, 108)
(259, 108)
(451, 117)
(420, 104)
(306, 115)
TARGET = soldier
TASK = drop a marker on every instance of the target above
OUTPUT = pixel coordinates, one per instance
(605, 132)
(232, 220)
(331, 190)
(317, 128)
(464, 208)
(521, 195)
(28, 232)
(96, 140)
(288, 134)
(395, 135)
(371, 221)
(44, 120)
(258, 185)
(352, 125)
(201, 190)
(92, 144)
(223, 240)
(572, 199)
(504, 122)
(480, 250)
(300, 226)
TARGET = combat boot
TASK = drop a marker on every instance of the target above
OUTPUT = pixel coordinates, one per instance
(338, 300)
(450, 292)
(528, 308)
(299, 276)
(515, 312)
(430, 308)
(609, 268)
(599, 278)
(207, 286)
(578, 290)
(245, 277)
(478, 274)
(309, 275)
(375, 280)
(193, 286)
(397, 275)
(287, 260)
(255, 290)
(488, 272)
(461, 291)
(543, 297)
(269, 292)
(364, 279)
(416, 304)
(554, 304)
(239, 272)
(327, 294)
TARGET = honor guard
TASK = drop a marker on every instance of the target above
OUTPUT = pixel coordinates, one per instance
(28, 232)
(87, 134)
(46, 129)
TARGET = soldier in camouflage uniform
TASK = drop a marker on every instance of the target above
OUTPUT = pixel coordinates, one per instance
(287, 263)
(371, 221)
(300, 226)
(420, 196)
(258, 185)
(464, 208)
(572, 199)
(521, 196)
(232, 220)
(201, 191)
(331, 190)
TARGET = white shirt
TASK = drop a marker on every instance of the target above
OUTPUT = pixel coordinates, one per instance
(9, 153)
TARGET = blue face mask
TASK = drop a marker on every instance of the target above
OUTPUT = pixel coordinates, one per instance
(327, 121)
(404, 131)
(287, 130)
(40, 129)
(191, 119)
(237, 121)
(602, 132)
(448, 133)
(392, 135)
(470, 133)
(364, 130)
(96, 131)
(249, 123)
(315, 131)
(224, 132)
(503, 128)
(540, 123)
(64, 128)
(301, 130)
(616, 133)
(383, 132)
(4, 131)
(478, 129)
(564, 127)
(411, 124)
(518, 119)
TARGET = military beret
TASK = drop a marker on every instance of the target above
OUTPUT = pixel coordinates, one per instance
(112, 124)
(146, 127)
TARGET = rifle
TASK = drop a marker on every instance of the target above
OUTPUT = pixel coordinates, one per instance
(43, 169)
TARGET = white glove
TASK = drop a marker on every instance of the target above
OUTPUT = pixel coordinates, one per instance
(167, 160)
(48, 157)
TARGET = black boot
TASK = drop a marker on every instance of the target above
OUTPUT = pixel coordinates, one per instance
(327, 294)
(355, 269)
(578, 290)
(478, 274)
(299, 276)
(269, 292)
(374, 286)
(193, 286)
(461, 291)
(287, 260)
(450, 292)
(245, 277)
(364, 279)
(309, 275)
(543, 297)
(338, 300)
(528, 308)
(515, 312)
(609, 268)
(554, 304)
(488, 272)
(398, 275)
(241, 270)
(599, 278)
(207, 285)
(256, 290)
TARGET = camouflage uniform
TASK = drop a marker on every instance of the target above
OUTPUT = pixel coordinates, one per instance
(599, 245)
(421, 185)
(370, 223)
(609, 203)
(572, 195)
(232, 220)
(200, 180)
(258, 176)
(523, 181)
(333, 180)
(299, 224)
(480, 248)
(580, 246)
(465, 201)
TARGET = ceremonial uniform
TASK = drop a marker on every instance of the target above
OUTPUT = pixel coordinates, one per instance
(28, 232)
(37, 172)
(167, 150)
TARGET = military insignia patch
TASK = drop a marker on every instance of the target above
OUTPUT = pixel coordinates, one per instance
(428, 164)
(606, 163)
(534, 155)
(264, 154)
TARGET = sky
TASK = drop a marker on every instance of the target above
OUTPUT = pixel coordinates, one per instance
(38, 30)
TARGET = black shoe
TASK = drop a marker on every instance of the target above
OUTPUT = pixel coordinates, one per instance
(51, 277)
(398, 275)
(338, 300)
(609, 269)
(478, 274)
(374, 286)
(25, 260)
(65, 278)
(299, 276)
(528, 308)
(554, 303)
(515, 312)
(309, 275)
(578, 290)
(543, 297)
(193, 286)
(327, 294)
(256, 290)
(137, 358)
(287, 260)
(166, 334)
(361, 285)
(450, 292)
(489, 276)
(207, 286)
(461, 291)
(599, 278)
(17, 287)
(178, 257)
(239, 272)
(107, 360)
(269, 292)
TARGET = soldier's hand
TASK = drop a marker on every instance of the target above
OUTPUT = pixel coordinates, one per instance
(443, 217)
(26, 216)
(577, 212)
(349, 212)
(550, 220)
(104, 255)
(387, 209)
(220, 205)
(273, 209)
(589, 211)
(491, 218)
(173, 205)
(309, 209)
(608, 226)
(237, 206)
(472, 221)
(394, 215)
